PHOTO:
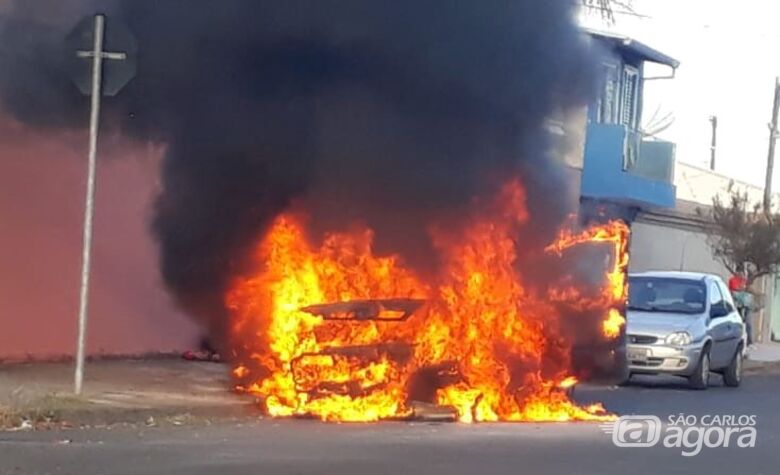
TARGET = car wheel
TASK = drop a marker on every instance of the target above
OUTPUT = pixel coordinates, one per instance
(732, 376)
(626, 381)
(701, 377)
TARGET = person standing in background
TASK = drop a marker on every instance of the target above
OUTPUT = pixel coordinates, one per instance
(743, 299)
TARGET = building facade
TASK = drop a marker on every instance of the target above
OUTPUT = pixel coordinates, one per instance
(623, 167)
(637, 176)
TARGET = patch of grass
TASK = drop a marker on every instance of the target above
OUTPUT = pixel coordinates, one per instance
(42, 410)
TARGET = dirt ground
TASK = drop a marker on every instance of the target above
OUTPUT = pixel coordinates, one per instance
(117, 391)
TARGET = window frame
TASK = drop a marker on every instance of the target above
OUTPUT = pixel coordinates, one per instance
(610, 97)
(629, 111)
(714, 285)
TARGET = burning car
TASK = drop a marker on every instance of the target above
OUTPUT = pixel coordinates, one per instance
(365, 205)
(339, 333)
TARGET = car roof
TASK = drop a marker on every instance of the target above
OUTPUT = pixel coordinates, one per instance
(675, 275)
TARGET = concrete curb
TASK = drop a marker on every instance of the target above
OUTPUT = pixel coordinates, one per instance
(100, 415)
(761, 367)
(154, 415)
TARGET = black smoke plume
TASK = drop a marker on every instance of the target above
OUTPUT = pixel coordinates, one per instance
(395, 113)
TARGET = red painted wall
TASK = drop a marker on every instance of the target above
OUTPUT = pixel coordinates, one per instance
(42, 186)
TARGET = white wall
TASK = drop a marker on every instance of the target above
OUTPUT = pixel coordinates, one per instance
(700, 185)
(659, 247)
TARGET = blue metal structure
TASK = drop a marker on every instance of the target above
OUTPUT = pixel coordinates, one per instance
(621, 166)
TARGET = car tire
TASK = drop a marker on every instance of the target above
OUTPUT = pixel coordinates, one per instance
(732, 375)
(700, 378)
(626, 381)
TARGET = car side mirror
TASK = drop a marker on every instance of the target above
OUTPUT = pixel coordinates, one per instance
(719, 310)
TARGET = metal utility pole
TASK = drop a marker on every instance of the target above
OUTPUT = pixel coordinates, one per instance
(89, 209)
(714, 146)
(770, 163)
(94, 28)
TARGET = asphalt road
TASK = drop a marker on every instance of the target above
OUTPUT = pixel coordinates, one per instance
(307, 447)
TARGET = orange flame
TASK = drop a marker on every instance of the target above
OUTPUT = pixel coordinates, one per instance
(482, 343)
(616, 293)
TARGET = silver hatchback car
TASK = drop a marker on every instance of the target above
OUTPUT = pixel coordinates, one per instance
(684, 324)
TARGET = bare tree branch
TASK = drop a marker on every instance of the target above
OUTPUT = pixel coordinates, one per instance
(607, 7)
(742, 234)
(657, 124)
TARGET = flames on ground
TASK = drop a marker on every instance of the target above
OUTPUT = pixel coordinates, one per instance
(336, 332)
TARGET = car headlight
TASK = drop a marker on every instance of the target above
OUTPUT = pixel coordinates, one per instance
(679, 339)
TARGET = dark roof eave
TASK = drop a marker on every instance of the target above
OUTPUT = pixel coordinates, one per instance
(651, 54)
(640, 49)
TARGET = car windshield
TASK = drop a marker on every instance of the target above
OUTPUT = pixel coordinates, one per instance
(666, 295)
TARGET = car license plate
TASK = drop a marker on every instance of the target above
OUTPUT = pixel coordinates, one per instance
(637, 354)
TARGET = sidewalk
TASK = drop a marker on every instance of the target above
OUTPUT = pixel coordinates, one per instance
(765, 352)
(763, 358)
(118, 391)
